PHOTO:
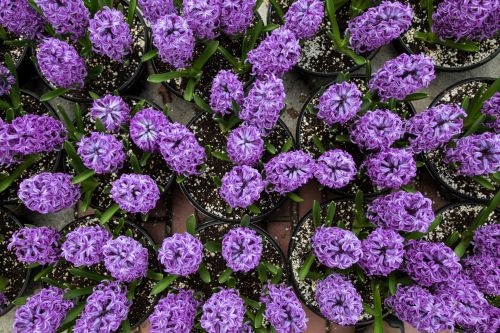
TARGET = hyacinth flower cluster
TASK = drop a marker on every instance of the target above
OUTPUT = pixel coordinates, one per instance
(391, 168)
(242, 249)
(245, 145)
(112, 111)
(335, 247)
(491, 108)
(224, 311)
(20, 19)
(288, 171)
(146, 128)
(181, 254)
(236, 16)
(152, 10)
(241, 186)
(226, 90)
(125, 258)
(35, 245)
(339, 103)
(100, 152)
(135, 193)
(7, 80)
(304, 18)
(376, 130)
(335, 169)
(83, 246)
(69, 17)
(175, 313)
(383, 251)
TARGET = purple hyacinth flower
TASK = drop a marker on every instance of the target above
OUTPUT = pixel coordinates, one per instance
(245, 145)
(335, 247)
(223, 312)
(484, 270)
(83, 246)
(66, 17)
(487, 240)
(7, 80)
(339, 103)
(401, 211)
(135, 193)
(288, 171)
(338, 300)
(6, 153)
(241, 186)
(61, 64)
(242, 249)
(391, 168)
(181, 254)
(335, 169)
(175, 313)
(202, 17)
(491, 324)
(376, 130)
(103, 153)
(181, 150)
(146, 127)
(236, 16)
(35, 245)
(428, 263)
(43, 312)
(304, 17)
(125, 258)
(48, 192)
(226, 89)
(491, 108)
(379, 25)
(383, 251)
(402, 76)
(20, 19)
(155, 9)
(174, 40)
(434, 127)
(4, 301)
(112, 111)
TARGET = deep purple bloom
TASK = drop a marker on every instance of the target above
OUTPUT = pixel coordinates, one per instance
(491, 108)
(242, 249)
(223, 312)
(377, 130)
(338, 300)
(20, 19)
(155, 9)
(245, 145)
(61, 64)
(487, 240)
(202, 17)
(103, 153)
(6, 152)
(174, 40)
(83, 246)
(484, 270)
(491, 324)
(125, 258)
(383, 251)
(434, 127)
(181, 254)
(112, 111)
(7, 80)
(391, 168)
(288, 171)
(3, 300)
(335, 247)
(146, 127)
(43, 312)
(335, 169)
(135, 193)
(66, 17)
(236, 16)
(402, 76)
(339, 103)
(304, 17)
(379, 25)
(36, 245)
(226, 89)
(175, 313)
(241, 186)
(401, 211)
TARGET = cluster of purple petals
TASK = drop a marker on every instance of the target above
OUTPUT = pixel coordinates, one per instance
(484, 270)
(283, 309)
(263, 104)
(20, 19)
(7, 80)
(242, 249)
(223, 312)
(241, 186)
(181, 150)
(276, 54)
(6, 154)
(335, 247)
(61, 64)
(135, 193)
(304, 17)
(42, 312)
(66, 17)
(383, 251)
(434, 127)
(379, 26)
(3, 300)
(203, 17)
(125, 258)
(428, 263)
(487, 240)
(402, 76)
(146, 128)
(475, 155)
(236, 15)
(83, 246)
(339, 103)
(335, 169)
(174, 40)
(112, 111)
(181, 254)
(48, 192)
(245, 145)
(226, 89)
(288, 171)
(491, 324)
(391, 168)
(155, 9)
(102, 153)
(175, 313)
(338, 300)
(377, 130)
(401, 211)
(104, 310)
(36, 245)
(491, 108)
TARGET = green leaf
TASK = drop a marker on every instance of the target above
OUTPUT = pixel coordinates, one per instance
(20, 301)
(259, 318)
(294, 197)
(276, 6)
(125, 325)
(452, 239)
(180, 179)
(316, 214)
(304, 270)
(75, 293)
(432, 38)
(191, 224)
(200, 102)
(368, 309)
(251, 303)
(377, 302)
(132, 6)
(28, 161)
(288, 145)
(72, 314)
(270, 148)
(88, 274)
(225, 275)
(213, 246)
(131, 289)
(149, 55)
(79, 178)
(358, 202)
(416, 96)
(207, 53)
(93, 95)
(163, 284)
(204, 274)
(216, 180)
(15, 96)
(484, 182)
(220, 155)
(134, 162)
(78, 118)
(76, 161)
(262, 272)
(254, 209)
(108, 214)
(159, 78)
(154, 275)
(53, 94)
(330, 213)
(43, 273)
(189, 90)
(270, 267)
(99, 126)
(228, 56)
(318, 144)
(430, 10)
(408, 188)
(245, 220)
(335, 33)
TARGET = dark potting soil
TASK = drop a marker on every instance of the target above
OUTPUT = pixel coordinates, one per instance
(15, 51)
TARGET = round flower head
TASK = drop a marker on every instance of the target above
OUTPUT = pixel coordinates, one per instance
(241, 186)
(181, 150)
(242, 249)
(288, 171)
(48, 192)
(135, 193)
(475, 155)
(66, 17)
(7, 80)
(61, 64)
(43, 312)
(487, 240)
(377, 130)
(112, 111)
(379, 25)
(174, 40)
(202, 17)
(428, 263)
(83, 246)
(335, 247)
(146, 127)
(391, 168)
(335, 169)
(402, 211)
(484, 270)
(175, 313)
(492, 108)
(236, 16)
(20, 19)
(181, 254)
(104, 309)
(226, 89)
(339, 103)
(102, 153)
(434, 127)
(125, 258)
(304, 17)
(338, 300)
(245, 145)
(223, 312)
(155, 9)
(383, 251)
(35, 245)
(491, 324)
(402, 76)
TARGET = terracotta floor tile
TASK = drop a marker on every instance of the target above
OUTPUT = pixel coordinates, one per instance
(182, 208)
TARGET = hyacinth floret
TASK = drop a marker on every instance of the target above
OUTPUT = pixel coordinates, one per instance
(103, 153)
(83, 246)
(383, 251)
(288, 171)
(7, 80)
(486, 240)
(20, 19)
(146, 127)
(236, 16)
(203, 17)
(335, 169)
(224, 311)
(241, 186)
(339, 103)
(155, 9)
(304, 18)
(66, 17)
(35, 245)
(112, 111)
(226, 90)
(484, 270)
(245, 145)
(175, 313)
(181, 254)
(135, 193)
(242, 249)
(335, 247)
(376, 130)
(391, 168)
(491, 108)
(125, 258)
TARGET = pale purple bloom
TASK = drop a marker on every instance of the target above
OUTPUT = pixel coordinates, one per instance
(7, 80)
(155, 9)
(37, 245)
(202, 17)
(304, 17)
(491, 324)
(288, 171)
(103, 153)
(175, 313)
(146, 128)
(335, 169)
(241, 186)
(484, 270)
(245, 145)
(20, 19)
(223, 312)
(226, 90)
(391, 168)
(181, 254)
(339, 103)
(66, 17)
(335, 247)
(491, 108)
(242, 249)
(83, 246)
(112, 111)
(377, 130)
(383, 251)
(135, 193)
(487, 240)
(125, 258)
(236, 16)
(6, 153)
